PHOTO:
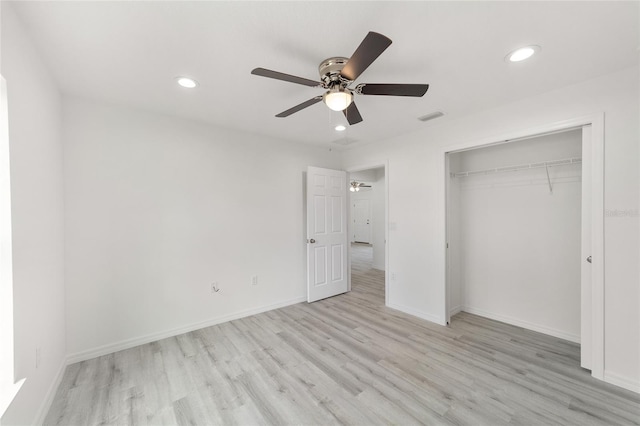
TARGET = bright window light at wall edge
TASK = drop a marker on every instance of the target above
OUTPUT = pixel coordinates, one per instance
(186, 82)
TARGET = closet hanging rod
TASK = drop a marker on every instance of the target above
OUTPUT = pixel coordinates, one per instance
(515, 168)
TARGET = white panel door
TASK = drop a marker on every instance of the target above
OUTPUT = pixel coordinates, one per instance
(327, 238)
(362, 221)
(586, 338)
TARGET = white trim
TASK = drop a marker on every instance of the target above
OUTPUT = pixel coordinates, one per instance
(51, 393)
(596, 121)
(575, 338)
(623, 382)
(443, 172)
(387, 247)
(141, 340)
(455, 310)
(534, 131)
(416, 313)
(447, 235)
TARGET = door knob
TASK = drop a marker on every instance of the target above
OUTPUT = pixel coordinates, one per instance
(589, 259)
(312, 241)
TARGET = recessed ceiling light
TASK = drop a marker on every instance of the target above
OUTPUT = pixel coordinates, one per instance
(187, 82)
(522, 53)
(340, 128)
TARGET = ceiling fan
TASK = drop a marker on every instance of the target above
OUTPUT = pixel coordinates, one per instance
(355, 186)
(337, 74)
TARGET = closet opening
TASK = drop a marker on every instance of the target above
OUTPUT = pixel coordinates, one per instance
(519, 232)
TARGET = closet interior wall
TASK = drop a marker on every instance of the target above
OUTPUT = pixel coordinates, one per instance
(514, 235)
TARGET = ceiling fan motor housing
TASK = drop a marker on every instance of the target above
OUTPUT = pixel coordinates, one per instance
(330, 71)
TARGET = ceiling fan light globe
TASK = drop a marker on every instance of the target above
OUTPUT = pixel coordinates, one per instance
(338, 100)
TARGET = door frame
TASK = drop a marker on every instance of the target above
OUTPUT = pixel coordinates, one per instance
(387, 248)
(596, 121)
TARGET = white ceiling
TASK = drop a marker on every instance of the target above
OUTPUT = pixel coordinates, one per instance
(130, 52)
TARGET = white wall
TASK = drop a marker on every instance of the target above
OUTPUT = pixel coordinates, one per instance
(417, 237)
(376, 195)
(37, 221)
(158, 208)
(520, 243)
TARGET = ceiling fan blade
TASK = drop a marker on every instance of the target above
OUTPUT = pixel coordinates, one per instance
(370, 48)
(393, 89)
(352, 114)
(300, 107)
(284, 77)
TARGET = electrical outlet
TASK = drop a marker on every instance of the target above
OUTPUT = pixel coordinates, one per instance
(214, 287)
(393, 276)
(254, 280)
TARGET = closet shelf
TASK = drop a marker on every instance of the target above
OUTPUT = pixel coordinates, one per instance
(515, 168)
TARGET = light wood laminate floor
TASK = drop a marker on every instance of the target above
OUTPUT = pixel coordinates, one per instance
(344, 360)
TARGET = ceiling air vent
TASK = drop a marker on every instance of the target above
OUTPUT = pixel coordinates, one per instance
(431, 116)
(345, 141)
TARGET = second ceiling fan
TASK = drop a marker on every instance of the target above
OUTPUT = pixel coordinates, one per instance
(338, 73)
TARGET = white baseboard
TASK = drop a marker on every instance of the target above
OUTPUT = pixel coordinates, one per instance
(455, 310)
(524, 324)
(141, 340)
(417, 313)
(51, 393)
(623, 382)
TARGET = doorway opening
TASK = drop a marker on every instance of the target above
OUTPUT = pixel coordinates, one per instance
(368, 230)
